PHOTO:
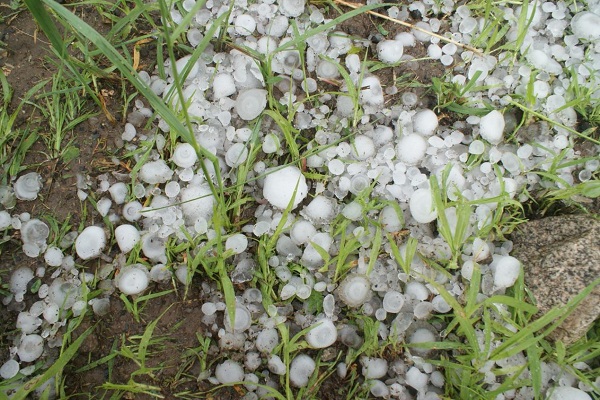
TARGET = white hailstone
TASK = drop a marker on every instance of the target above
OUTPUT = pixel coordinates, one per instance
(34, 232)
(229, 372)
(154, 172)
(90, 242)
(127, 237)
(182, 64)
(276, 365)
(238, 243)
(172, 189)
(434, 51)
(194, 36)
(406, 38)
(154, 247)
(321, 210)
(567, 393)
(355, 290)
(271, 144)
(27, 323)
(311, 257)
(131, 211)
(160, 273)
(389, 219)
(353, 211)
(133, 279)
(266, 45)
(425, 122)
(393, 301)
(481, 250)
(9, 369)
(440, 305)
(242, 319)
(103, 206)
(322, 334)
(196, 202)
(417, 290)
(277, 26)
(301, 369)
(586, 25)
(476, 147)
(244, 25)
(5, 220)
(284, 184)
(336, 167)
(292, 8)
(390, 51)
(52, 313)
(184, 155)
(411, 148)
(63, 293)
(416, 379)
(363, 147)
(437, 379)
(250, 103)
(302, 231)
(223, 86)
(327, 70)
(30, 348)
(506, 271)
(118, 192)
(53, 256)
(28, 186)
(371, 92)
(421, 206)
(542, 61)
(236, 155)
(379, 389)
(491, 127)
(374, 368)
(423, 310)
(267, 340)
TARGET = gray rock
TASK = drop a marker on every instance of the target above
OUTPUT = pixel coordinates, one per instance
(561, 257)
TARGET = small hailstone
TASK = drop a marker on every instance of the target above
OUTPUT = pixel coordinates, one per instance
(417, 290)
(90, 242)
(276, 365)
(336, 167)
(371, 92)
(302, 231)
(229, 372)
(421, 206)
(352, 211)
(567, 393)
(411, 148)
(542, 61)
(390, 51)
(9, 369)
(196, 202)
(363, 147)
(506, 271)
(184, 155)
(301, 369)
(440, 305)
(242, 321)
(393, 301)
(322, 334)
(374, 368)
(425, 122)
(250, 103)
(131, 211)
(491, 127)
(476, 147)
(27, 323)
(282, 185)
(127, 237)
(182, 64)
(586, 25)
(416, 379)
(292, 8)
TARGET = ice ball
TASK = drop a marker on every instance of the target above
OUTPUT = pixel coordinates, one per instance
(283, 185)
(301, 369)
(421, 206)
(586, 25)
(390, 51)
(127, 237)
(568, 393)
(321, 210)
(416, 379)
(374, 368)
(411, 148)
(30, 348)
(184, 155)
(491, 127)
(133, 279)
(363, 147)
(229, 372)
(155, 172)
(425, 122)
(506, 271)
(90, 242)
(322, 334)
(355, 290)
(250, 103)
(9, 369)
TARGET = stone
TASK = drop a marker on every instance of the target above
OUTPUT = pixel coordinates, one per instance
(561, 257)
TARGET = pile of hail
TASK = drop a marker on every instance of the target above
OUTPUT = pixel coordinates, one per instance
(370, 163)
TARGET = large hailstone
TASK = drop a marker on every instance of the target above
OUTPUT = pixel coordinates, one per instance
(390, 51)
(133, 279)
(282, 185)
(28, 186)
(506, 271)
(90, 242)
(322, 334)
(586, 25)
(229, 372)
(491, 127)
(154, 172)
(250, 103)
(421, 206)
(301, 370)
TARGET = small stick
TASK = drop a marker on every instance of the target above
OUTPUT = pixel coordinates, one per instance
(397, 21)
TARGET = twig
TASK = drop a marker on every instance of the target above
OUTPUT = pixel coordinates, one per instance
(397, 21)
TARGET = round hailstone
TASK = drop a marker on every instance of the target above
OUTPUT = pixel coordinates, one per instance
(236, 155)
(425, 122)
(567, 393)
(412, 148)
(322, 334)
(421, 206)
(133, 279)
(28, 186)
(267, 340)
(284, 184)
(196, 202)
(53, 256)
(292, 8)
(353, 211)
(374, 368)
(302, 232)
(390, 51)
(184, 155)
(127, 237)
(9, 369)
(371, 92)
(393, 302)
(238, 243)
(321, 210)
(586, 25)
(31, 348)
(154, 172)
(491, 127)
(276, 365)
(355, 290)
(90, 242)
(244, 25)
(229, 372)
(27, 323)
(416, 379)
(242, 319)
(540, 60)
(223, 86)
(250, 103)
(390, 220)
(379, 389)
(301, 370)
(363, 147)
(506, 271)
(182, 64)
